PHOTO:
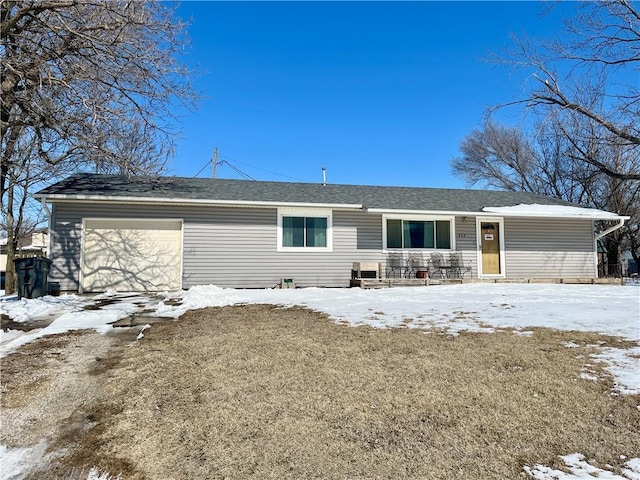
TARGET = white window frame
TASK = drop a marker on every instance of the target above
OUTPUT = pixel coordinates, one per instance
(305, 212)
(420, 218)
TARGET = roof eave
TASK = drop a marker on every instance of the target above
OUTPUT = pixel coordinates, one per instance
(596, 216)
(459, 213)
(343, 206)
(189, 201)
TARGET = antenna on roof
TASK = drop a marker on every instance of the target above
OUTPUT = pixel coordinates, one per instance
(324, 176)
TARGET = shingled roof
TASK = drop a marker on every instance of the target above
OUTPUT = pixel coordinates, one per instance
(122, 188)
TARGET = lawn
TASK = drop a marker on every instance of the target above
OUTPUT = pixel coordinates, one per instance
(258, 391)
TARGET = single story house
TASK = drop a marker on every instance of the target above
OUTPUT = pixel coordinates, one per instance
(167, 233)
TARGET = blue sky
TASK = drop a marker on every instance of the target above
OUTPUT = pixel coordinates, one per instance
(379, 93)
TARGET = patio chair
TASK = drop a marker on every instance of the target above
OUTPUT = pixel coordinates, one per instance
(416, 267)
(438, 267)
(457, 266)
(396, 267)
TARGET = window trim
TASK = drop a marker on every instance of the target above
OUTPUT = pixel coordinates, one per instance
(420, 218)
(305, 212)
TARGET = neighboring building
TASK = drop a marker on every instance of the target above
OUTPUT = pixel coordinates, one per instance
(629, 265)
(31, 245)
(166, 233)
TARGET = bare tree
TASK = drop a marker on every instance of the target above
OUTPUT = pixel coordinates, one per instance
(506, 158)
(580, 138)
(86, 85)
(550, 160)
(590, 73)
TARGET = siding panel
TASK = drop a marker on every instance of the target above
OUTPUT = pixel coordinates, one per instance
(246, 254)
(549, 248)
(230, 247)
(466, 243)
(236, 247)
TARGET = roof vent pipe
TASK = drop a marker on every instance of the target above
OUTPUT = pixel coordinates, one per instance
(324, 176)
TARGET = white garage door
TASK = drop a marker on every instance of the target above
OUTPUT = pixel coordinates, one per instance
(132, 255)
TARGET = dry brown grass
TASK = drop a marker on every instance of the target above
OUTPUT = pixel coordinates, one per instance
(25, 373)
(260, 392)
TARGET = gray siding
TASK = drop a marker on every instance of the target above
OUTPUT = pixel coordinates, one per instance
(65, 243)
(236, 247)
(230, 247)
(549, 248)
(466, 243)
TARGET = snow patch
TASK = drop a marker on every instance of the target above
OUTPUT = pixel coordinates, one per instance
(69, 313)
(17, 462)
(94, 474)
(581, 469)
(537, 210)
(624, 366)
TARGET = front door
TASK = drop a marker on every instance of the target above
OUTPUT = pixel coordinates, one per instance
(490, 246)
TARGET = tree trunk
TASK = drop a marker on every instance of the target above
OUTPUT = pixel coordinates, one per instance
(614, 265)
(10, 280)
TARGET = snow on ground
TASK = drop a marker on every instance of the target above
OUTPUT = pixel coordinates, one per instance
(581, 469)
(611, 310)
(69, 312)
(16, 460)
(95, 474)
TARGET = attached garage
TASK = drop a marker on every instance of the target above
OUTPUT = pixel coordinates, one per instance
(131, 255)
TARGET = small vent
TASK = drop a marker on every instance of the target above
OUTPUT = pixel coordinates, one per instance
(287, 283)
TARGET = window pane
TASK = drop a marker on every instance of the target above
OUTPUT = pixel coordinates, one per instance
(418, 234)
(394, 233)
(443, 234)
(316, 232)
(429, 237)
(406, 235)
(293, 231)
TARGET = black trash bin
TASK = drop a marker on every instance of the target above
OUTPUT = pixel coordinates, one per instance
(32, 276)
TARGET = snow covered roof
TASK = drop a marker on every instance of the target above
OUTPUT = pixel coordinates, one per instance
(564, 211)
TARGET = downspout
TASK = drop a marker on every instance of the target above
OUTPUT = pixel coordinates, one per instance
(49, 233)
(617, 226)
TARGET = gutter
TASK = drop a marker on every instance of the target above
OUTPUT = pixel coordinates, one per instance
(281, 204)
(482, 214)
(186, 201)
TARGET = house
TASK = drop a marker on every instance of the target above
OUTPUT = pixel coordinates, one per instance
(32, 244)
(166, 233)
